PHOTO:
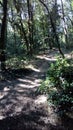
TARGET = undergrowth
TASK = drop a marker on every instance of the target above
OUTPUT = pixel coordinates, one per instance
(59, 85)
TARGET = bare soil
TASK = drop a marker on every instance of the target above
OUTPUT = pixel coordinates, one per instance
(21, 107)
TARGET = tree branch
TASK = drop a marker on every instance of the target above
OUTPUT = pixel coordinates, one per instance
(42, 2)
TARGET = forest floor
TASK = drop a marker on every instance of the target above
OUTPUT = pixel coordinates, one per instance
(22, 108)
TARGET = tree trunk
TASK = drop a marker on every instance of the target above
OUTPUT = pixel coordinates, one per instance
(3, 35)
(30, 25)
(64, 25)
(19, 24)
(53, 26)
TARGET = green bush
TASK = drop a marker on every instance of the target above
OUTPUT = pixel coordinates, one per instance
(59, 85)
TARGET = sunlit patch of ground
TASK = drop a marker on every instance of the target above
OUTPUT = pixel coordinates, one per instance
(30, 66)
(48, 58)
(40, 99)
(37, 82)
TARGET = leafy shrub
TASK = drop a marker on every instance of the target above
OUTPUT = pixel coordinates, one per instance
(59, 84)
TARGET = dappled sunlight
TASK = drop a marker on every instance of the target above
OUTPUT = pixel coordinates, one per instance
(40, 99)
(4, 92)
(69, 56)
(48, 58)
(6, 89)
(51, 55)
(18, 95)
(15, 97)
(28, 83)
(36, 64)
(30, 66)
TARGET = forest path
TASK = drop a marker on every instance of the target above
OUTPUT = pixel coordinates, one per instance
(21, 108)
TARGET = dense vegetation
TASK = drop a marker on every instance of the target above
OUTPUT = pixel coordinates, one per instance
(59, 85)
(28, 26)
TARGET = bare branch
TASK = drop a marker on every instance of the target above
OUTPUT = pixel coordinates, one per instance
(42, 2)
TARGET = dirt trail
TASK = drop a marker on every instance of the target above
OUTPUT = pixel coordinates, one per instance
(21, 108)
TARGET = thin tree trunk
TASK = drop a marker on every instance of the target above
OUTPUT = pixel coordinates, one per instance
(53, 27)
(64, 25)
(21, 26)
(30, 25)
(14, 29)
(3, 35)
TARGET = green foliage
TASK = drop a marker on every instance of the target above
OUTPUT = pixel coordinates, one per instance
(55, 72)
(14, 46)
(15, 62)
(59, 84)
